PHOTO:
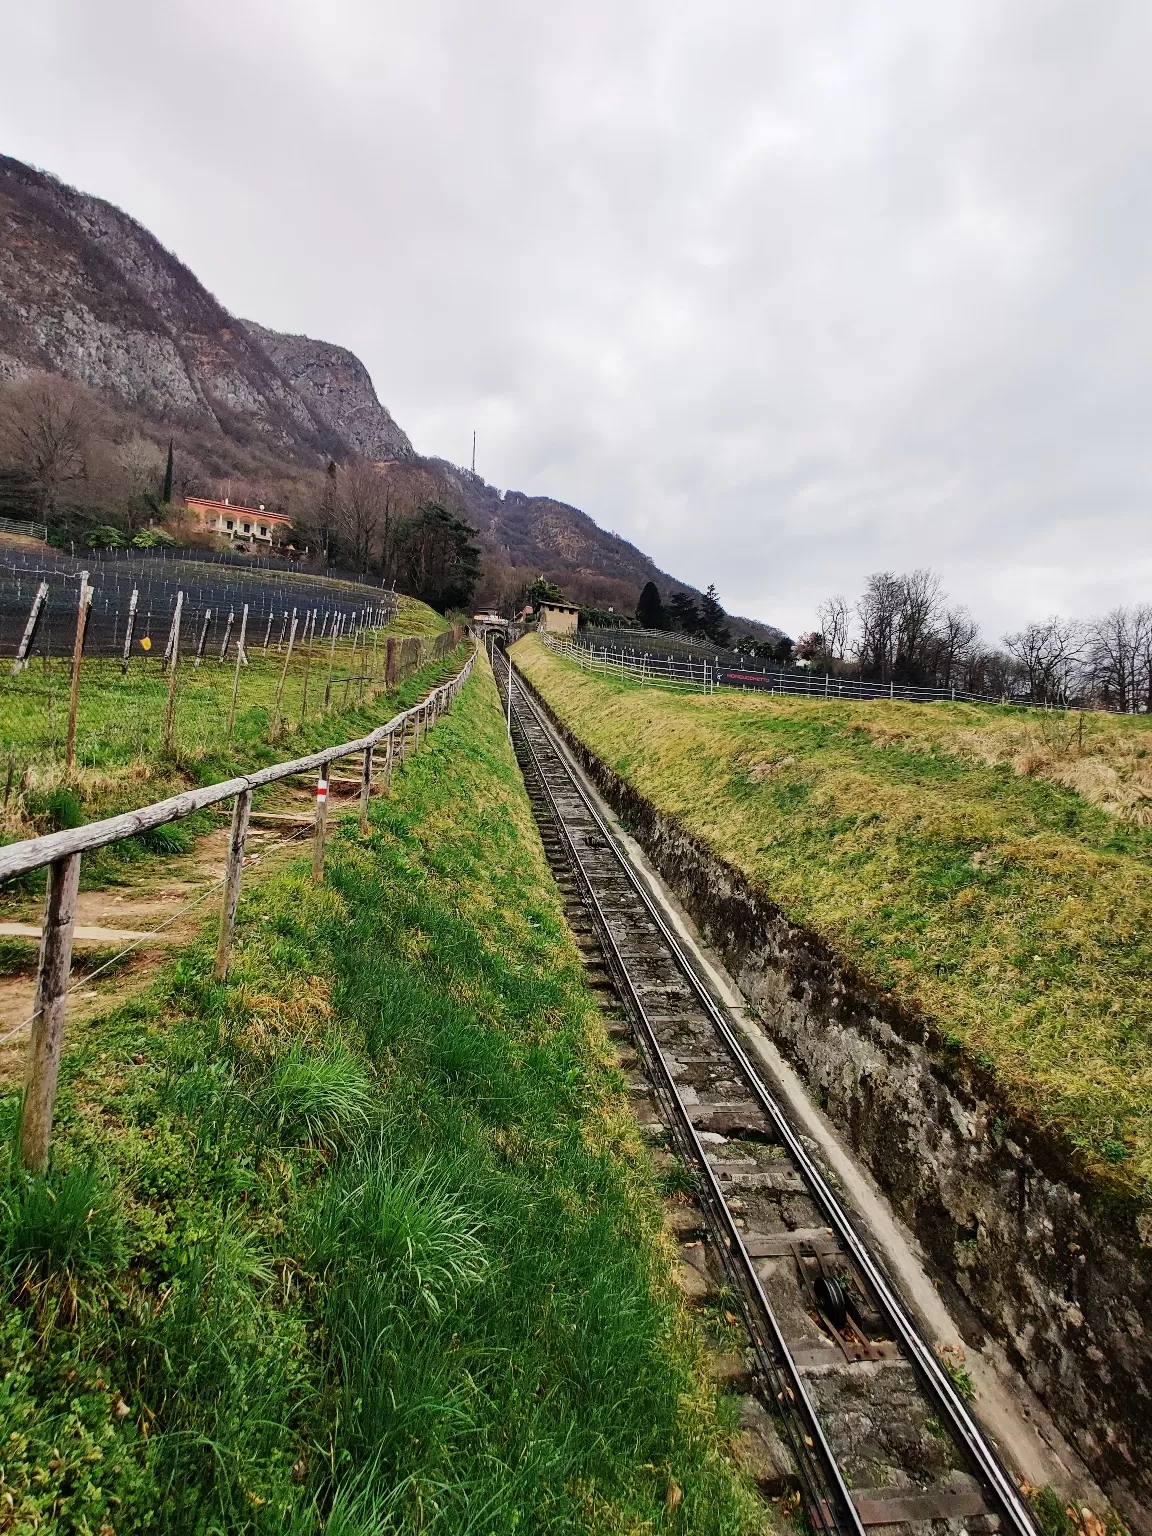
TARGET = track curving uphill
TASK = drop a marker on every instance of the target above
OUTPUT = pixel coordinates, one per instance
(875, 1429)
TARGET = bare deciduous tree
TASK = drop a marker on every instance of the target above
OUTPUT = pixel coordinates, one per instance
(1048, 654)
(45, 423)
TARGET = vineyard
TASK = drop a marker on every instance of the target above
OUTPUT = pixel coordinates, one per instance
(117, 667)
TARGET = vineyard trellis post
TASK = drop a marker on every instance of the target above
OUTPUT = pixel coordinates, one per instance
(173, 664)
(284, 675)
(29, 629)
(82, 606)
(236, 674)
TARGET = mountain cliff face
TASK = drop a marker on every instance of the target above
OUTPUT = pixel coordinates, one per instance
(86, 291)
(337, 389)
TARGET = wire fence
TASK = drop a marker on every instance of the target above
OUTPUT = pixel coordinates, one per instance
(134, 595)
(116, 663)
(667, 668)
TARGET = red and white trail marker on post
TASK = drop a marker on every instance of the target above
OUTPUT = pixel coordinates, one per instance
(321, 824)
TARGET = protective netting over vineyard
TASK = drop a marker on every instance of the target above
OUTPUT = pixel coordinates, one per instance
(214, 586)
(182, 656)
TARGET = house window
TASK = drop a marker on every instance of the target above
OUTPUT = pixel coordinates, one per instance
(263, 531)
(228, 525)
(247, 527)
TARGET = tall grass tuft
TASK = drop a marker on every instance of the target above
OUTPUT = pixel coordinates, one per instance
(59, 1223)
(317, 1098)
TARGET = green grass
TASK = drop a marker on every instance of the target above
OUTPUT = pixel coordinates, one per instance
(944, 852)
(121, 756)
(363, 1240)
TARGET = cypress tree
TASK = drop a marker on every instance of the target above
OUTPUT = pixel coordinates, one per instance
(166, 493)
(650, 610)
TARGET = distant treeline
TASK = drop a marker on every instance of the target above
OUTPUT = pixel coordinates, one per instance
(902, 629)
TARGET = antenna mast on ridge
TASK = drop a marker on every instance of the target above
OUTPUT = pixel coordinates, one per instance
(473, 450)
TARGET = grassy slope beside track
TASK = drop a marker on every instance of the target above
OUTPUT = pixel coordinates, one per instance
(932, 847)
(363, 1239)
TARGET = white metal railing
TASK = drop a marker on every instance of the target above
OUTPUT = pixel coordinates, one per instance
(657, 671)
(61, 853)
(668, 670)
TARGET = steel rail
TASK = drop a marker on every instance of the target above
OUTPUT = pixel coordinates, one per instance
(828, 1493)
(935, 1380)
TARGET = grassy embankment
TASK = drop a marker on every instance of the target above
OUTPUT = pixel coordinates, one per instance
(988, 867)
(363, 1239)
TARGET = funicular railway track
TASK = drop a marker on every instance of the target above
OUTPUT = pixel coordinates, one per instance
(877, 1433)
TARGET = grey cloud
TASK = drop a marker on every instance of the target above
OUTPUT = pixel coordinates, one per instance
(782, 293)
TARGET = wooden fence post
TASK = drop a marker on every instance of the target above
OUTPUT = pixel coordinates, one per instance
(29, 630)
(284, 674)
(227, 635)
(331, 664)
(308, 665)
(203, 637)
(388, 763)
(170, 707)
(392, 662)
(42, 1067)
(82, 606)
(365, 789)
(240, 816)
(321, 825)
(240, 656)
(129, 629)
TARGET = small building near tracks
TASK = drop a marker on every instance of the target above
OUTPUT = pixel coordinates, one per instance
(558, 618)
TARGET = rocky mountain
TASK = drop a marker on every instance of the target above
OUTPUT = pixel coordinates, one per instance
(337, 389)
(88, 292)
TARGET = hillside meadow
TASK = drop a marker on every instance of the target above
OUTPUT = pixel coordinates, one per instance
(364, 1239)
(989, 868)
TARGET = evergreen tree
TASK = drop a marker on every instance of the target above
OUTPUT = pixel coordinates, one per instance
(436, 558)
(683, 613)
(166, 493)
(650, 610)
(712, 618)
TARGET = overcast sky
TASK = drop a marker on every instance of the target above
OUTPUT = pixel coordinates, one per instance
(783, 292)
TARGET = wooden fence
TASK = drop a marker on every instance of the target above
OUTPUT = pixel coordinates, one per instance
(61, 852)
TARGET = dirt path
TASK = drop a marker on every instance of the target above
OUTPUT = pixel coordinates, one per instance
(169, 897)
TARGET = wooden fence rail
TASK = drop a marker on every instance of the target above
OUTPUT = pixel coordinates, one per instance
(61, 853)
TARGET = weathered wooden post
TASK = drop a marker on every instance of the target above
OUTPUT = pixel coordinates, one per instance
(392, 662)
(321, 825)
(308, 667)
(365, 788)
(240, 817)
(351, 660)
(42, 1067)
(268, 631)
(236, 675)
(29, 629)
(129, 628)
(203, 637)
(173, 663)
(284, 675)
(331, 664)
(388, 763)
(82, 606)
(227, 634)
